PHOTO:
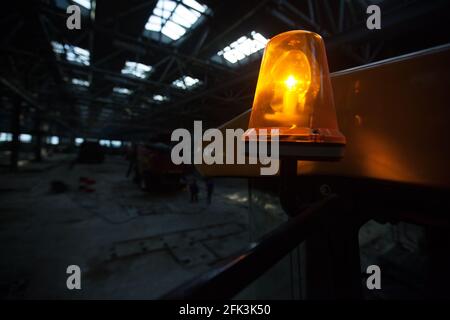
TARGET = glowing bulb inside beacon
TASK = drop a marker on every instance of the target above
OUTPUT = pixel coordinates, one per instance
(290, 82)
(292, 76)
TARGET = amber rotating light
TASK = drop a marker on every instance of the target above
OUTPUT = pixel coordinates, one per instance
(294, 95)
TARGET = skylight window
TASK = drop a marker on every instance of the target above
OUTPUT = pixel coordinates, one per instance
(186, 82)
(116, 143)
(54, 140)
(80, 82)
(105, 143)
(120, 90)
(26, 138)
(174, 18)
(243, 47)
(136, 69)
(5, 136)
(84, 3)
(72, 53)
(160, 98)
(78, 141)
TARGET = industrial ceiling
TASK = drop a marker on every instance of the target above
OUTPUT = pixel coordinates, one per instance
(137, 69)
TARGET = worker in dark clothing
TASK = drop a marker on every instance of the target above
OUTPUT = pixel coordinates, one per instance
(193, 188)
(132, 158)
(209, 189)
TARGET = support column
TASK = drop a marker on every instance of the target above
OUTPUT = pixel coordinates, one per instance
(330, 257)
(38, 138)
(15, 131)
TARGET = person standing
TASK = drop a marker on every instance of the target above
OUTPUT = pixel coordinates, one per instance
(131, 156)
(193, 188)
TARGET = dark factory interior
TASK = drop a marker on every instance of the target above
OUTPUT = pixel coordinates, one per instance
(95, 203)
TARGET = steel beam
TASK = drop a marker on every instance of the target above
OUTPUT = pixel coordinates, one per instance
(30, 100)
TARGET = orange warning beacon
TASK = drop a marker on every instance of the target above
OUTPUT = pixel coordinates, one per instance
(294, 95)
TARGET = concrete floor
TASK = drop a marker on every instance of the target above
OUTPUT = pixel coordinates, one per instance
(132, 244)
(128, 243)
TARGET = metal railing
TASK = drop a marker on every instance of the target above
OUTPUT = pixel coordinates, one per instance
(229, 278)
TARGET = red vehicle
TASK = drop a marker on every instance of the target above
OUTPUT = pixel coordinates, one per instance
(155, 170)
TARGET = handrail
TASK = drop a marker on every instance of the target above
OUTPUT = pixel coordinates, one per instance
(229, 278)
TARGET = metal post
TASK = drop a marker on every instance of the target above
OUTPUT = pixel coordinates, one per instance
(288, 191)
(38, 138)
(250, 211)
(332, 261)
(15, 131)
